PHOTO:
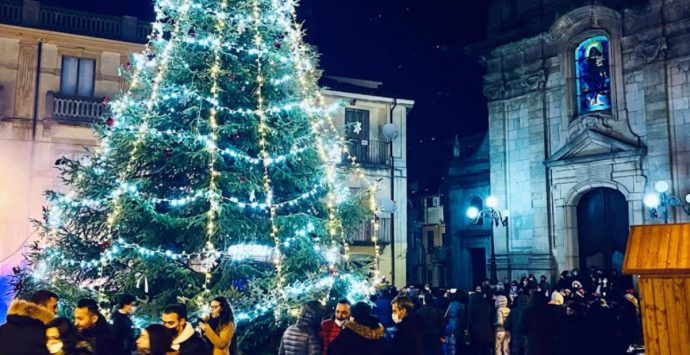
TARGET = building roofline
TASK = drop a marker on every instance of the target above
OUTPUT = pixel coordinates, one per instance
(37, 34)
(388, 100)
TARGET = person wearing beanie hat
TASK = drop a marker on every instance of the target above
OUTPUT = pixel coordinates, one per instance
(502, 343)
(557, 299)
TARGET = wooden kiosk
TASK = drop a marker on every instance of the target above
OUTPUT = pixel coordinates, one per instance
(660, 255)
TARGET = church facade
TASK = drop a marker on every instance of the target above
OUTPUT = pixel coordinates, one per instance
(589, 110)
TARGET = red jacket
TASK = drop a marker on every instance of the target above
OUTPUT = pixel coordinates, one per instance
(329, 331)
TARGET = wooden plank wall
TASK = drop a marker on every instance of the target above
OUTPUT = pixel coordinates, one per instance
(666, 314)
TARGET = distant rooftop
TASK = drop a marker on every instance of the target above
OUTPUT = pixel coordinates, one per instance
(357, 86)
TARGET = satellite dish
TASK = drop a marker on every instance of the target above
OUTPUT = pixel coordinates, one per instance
(390, 131)
(387, 206)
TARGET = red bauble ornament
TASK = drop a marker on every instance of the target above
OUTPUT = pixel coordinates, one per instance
(168, 152)
(110, 122)
(236, 135)
(191, 32)
(128, 65)
(231, 76)
(277, 44)
(105, 245)
(243, 178)
(105, 100)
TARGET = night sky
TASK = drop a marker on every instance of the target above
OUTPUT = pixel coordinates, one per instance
(415, 47)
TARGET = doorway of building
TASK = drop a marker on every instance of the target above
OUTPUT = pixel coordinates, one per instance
(478, 259)
(602, 229)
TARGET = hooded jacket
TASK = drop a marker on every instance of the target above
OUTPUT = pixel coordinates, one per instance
(359, 339)
(25, 332)
(302, 338)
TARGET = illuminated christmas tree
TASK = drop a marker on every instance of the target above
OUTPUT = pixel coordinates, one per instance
(217, 173)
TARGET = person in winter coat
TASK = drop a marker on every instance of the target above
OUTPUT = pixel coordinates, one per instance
(303, 338)
(123, 328)
(24, 332)
(330, 328)
(630, 322)
(408, 338)
(513, 325)
(62, 338)
(480, 314)
(155, 339)
(541, 324)
(362, 335)
(93, 327)
(602, 329)
(573, 339)
(502, 343)
(432, 326)
(456, 321)
(185, 340)
(219, 327)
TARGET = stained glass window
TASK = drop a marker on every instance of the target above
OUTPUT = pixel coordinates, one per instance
(593, 75)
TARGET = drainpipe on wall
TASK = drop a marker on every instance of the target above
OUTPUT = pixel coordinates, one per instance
(395, 104)
(37, 84)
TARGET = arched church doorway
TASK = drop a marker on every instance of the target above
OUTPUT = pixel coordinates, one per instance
(602, 228)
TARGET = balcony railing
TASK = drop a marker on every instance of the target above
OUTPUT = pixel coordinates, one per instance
(369, 152)
(74, 109)
(439, 254)
(366, 230)
(31, 13)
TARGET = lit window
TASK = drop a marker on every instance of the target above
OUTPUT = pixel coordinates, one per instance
(78, 76)
(592, 73)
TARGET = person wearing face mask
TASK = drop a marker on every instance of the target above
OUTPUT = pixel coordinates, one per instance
(123, 328)
(408, 338)
(155, 339)
(361, 335)
(186, 340)
(330, 328)
(62, 338)
(219, 327)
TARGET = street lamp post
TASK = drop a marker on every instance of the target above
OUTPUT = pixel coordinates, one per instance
(662, 201)
(497, 218)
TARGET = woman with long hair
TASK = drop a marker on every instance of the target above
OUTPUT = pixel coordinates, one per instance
(155, 339)
(219, 327)
(62, 338)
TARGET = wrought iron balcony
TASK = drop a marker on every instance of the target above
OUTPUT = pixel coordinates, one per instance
(76, 110)
(369, 152)
(366, 230)
(439, 255)
(31, 13)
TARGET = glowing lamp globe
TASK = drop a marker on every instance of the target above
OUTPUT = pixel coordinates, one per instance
(390, 131)
(661, 186)
(651, 201)
(472, 213)
(491, 202)
(687, 198)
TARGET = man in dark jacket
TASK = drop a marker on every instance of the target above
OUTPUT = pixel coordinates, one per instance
(302, 338)
(93, 327)
(123, 328)
(573, 338)
(363, 335)
(186, 341)
(513, 325)
(407, 339)
(25, 332)
(432, 326)
(480, 315)
(541, 323)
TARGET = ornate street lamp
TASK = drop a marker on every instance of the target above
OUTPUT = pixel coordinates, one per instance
(662, 202)
(497, 218)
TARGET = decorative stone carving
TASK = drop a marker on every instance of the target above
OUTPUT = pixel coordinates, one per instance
(650, 53)
(495, 92)
(535, 82)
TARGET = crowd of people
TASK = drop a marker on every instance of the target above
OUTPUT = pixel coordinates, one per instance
(33, 328)
(580, 314)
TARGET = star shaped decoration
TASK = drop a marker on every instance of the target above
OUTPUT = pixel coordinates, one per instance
(357, 128)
